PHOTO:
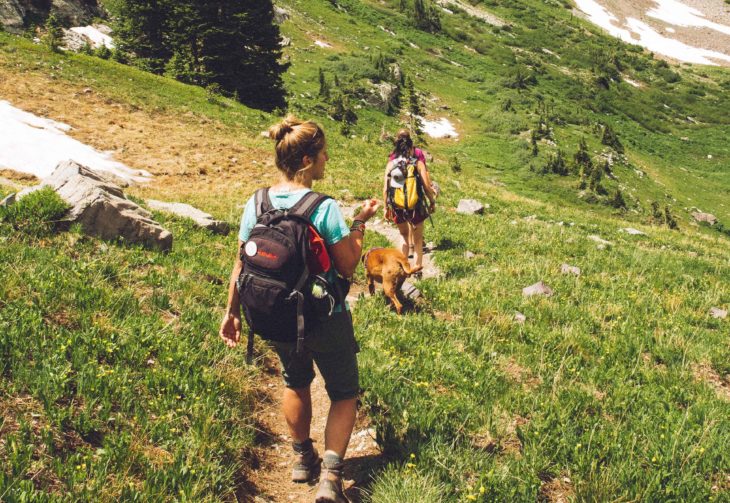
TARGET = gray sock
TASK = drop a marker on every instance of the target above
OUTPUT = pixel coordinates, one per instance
(303, 447)
(332, 461)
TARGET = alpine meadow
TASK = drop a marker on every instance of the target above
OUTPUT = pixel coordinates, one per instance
(572, 345)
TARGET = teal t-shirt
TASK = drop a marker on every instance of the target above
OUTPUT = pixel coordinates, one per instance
(327, 219)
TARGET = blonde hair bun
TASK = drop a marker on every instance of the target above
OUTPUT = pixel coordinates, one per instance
(279, 131)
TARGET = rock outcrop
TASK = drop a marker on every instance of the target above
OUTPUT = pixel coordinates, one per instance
(17, 15)
(12, 16)
(201, 218)
(101, 208)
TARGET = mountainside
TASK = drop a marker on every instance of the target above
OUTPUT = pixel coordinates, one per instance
(18, 15)
(590, 153)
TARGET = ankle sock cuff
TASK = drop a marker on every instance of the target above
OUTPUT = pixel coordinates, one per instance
(303, 447)
(332, 461)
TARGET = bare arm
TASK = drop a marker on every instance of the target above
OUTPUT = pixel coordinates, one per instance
(423, 172)
(388, 167)
(230, 330)
(346, 252)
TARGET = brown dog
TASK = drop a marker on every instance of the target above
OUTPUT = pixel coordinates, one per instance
(391, 268)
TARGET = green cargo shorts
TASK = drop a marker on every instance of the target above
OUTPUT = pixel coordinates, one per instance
(332, 346)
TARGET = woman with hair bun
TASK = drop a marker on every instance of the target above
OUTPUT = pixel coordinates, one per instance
(409, 221)
(301, 155)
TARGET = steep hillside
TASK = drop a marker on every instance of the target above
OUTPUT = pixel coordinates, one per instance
(613, 388)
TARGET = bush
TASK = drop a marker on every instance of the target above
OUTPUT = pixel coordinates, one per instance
(36, 215)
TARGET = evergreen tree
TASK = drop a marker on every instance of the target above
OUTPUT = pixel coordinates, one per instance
(594, 181)
(533, 142)
(582, 159)
(139, 30)
(611, 139)
(618, 200)
(556, 164)
(414, 109)
(426, 16)
(54, 33)
(232, 43)
(324, 87)
(669, 218)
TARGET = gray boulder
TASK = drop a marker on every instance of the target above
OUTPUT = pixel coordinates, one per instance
(382, 95)
(100, 207)
(704, 217)
(201, 218)
(538, 288)
(280, 14)
(470, 207)
(12, 14)
(718, 313)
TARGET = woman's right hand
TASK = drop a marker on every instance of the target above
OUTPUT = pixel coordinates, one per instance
(367, 210)
(230, 330)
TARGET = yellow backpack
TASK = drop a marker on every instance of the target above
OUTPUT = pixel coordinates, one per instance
(404, 184)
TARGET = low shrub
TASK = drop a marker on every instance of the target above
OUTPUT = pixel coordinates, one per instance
(35, 215)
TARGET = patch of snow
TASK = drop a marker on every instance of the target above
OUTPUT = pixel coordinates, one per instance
(96, 37)
(324, 45)
(638, 32)
(441, 128)
(32, 144)
(678, 14)
(670, 30)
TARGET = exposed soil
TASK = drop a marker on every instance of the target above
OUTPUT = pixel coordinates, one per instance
(270, 481)
(706, 38)
(189, 156)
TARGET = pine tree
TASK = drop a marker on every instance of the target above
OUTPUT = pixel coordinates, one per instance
(54, 33)
(618, 200)
(414, 109)
(426, 16)
(139, 30)
(582, 159)
(232, 43)
(533, 142)
(324, 87)
(611, 139)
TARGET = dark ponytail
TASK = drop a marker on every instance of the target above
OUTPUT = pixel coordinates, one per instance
(403, 143)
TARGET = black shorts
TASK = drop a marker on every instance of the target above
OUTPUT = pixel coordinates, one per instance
(332, 346)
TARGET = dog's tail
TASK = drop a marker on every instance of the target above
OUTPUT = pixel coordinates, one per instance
(407, 267)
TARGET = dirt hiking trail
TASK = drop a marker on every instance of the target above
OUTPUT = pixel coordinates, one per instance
(270, 481)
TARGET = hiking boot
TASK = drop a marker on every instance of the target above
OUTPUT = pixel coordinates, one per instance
(330, 482)
(307, 463)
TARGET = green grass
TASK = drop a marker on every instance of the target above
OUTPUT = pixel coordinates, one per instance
(113, 383)
(614, 384)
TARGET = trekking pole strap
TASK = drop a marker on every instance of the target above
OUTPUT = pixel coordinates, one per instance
(249, 347)
(300, 321)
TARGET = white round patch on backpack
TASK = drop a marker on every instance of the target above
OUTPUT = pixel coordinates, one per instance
(251, 249)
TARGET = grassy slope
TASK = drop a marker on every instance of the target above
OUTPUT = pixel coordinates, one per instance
(608, 385)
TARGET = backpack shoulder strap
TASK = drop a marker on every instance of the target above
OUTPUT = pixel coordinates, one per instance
(262, 202)
(307, 205)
